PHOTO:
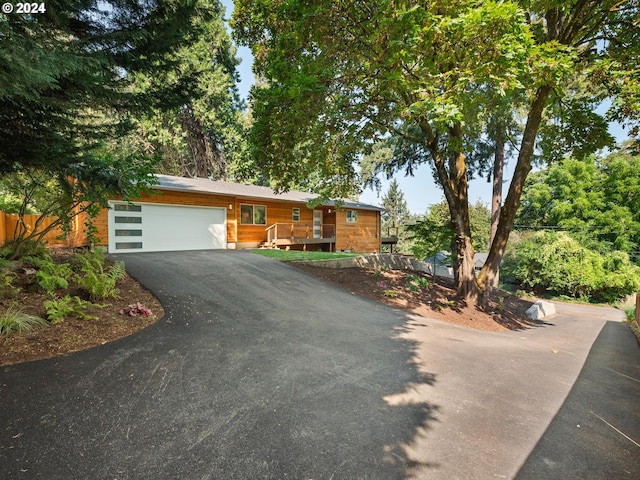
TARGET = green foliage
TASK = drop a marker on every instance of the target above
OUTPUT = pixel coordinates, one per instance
(556, 262)
(598, 200)
(74, 190)
(347, 90)
(430, 76)
(96, 277)
(390, 294)
(433, 233)
(72, 85)
(630, 313)
(66, 76)
(7, 290)
(59, 307)
(416, 282)
(28, 248)
(51, 276)
(396, 217)
(14, 320)
(205, 136)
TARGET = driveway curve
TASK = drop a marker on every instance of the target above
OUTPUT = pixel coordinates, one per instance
(257, 371)
(260, 371)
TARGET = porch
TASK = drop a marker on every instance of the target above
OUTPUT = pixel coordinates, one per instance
(289, 234)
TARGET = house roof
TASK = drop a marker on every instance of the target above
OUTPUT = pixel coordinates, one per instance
(219, 187)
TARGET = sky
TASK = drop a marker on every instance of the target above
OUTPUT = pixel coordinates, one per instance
(420, 191)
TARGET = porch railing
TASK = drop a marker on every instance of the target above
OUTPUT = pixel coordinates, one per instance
(291, 231)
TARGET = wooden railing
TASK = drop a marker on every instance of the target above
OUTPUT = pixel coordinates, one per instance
(282, 231)
(391, 232)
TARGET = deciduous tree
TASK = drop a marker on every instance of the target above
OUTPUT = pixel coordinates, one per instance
(596, 199)
(343, 74)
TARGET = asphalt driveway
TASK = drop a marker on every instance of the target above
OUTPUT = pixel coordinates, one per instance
(260, 371)
(256, 371)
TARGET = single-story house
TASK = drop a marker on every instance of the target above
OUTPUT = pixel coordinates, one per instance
(198, 213)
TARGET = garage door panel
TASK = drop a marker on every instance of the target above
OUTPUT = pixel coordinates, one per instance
(157, 228)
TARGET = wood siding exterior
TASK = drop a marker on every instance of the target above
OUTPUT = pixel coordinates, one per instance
(176, 198)
(362, 236)
(249, 236)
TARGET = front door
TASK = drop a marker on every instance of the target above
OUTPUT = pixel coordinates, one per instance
(317, 224)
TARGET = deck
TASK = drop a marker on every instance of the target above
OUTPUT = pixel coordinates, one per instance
(391, 237)
(288, 234)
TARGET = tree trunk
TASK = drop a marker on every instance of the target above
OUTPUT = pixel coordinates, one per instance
(455, 184)
(496, 197)
(464, 266)
(196, 141)
(489, 271)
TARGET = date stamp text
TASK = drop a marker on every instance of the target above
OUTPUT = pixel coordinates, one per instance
(24, 8)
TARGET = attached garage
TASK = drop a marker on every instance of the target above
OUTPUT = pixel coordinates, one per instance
(148, 227)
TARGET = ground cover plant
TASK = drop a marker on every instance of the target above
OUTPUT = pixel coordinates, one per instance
(56, 302)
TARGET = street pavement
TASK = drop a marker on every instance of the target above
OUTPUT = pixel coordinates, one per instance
(259, 370)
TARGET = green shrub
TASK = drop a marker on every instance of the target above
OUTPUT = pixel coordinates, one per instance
(417, 281)
(7, 290)
(50, 276)
(630, 313)
(96, 276)
(57, 308)
(27, 248)
(16, 321)
(555, 262)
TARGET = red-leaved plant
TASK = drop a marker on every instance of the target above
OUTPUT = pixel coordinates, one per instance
(136, 309)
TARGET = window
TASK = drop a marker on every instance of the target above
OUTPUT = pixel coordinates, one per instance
(128, 233)
(128, 219)
(295, 215)
(128, 245)
(352, 216)
(253, 215)
(119, 207)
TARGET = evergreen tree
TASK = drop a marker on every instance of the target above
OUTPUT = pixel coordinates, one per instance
(68, 96)
(394, 219)
(204, 137)
(66, 76)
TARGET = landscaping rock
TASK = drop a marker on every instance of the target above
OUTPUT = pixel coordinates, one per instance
(534, 312)
(547, 308)
(541, 309)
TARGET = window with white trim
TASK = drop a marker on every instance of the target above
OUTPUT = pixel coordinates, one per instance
(295, 214)
(352, 216)
(253, 214)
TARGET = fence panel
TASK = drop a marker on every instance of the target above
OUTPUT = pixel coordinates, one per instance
(76, 237)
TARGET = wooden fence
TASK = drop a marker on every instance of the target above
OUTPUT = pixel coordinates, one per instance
(56, 236)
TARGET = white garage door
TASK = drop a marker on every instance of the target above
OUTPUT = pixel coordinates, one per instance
(143, 227)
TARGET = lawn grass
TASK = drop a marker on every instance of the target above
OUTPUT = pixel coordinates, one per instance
(292, 255)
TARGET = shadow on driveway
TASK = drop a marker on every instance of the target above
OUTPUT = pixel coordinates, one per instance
(257, 371)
